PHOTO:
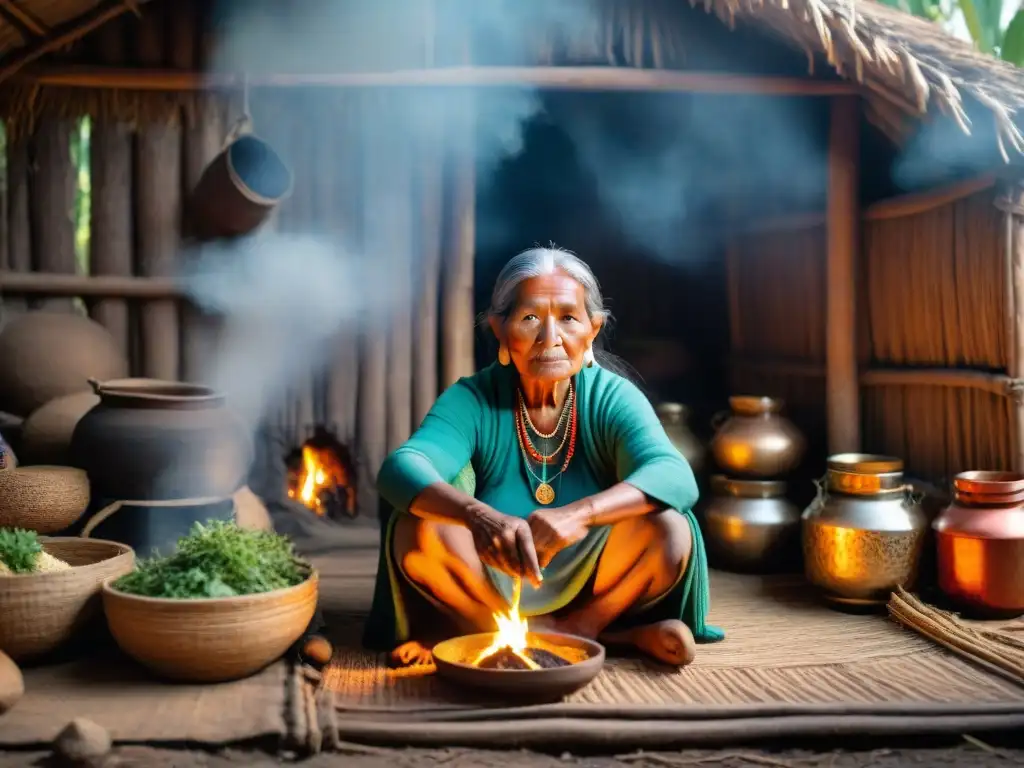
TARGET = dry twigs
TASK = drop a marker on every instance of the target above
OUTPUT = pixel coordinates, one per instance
(996, 650)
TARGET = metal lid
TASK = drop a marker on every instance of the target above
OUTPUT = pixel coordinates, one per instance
(754, 405)
(865, 463)
(671, 409)
(747, 489)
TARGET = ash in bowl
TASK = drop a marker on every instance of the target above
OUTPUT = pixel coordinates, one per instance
(507, 659)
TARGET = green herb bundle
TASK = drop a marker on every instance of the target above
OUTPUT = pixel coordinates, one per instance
(19, 550)
(218, 560)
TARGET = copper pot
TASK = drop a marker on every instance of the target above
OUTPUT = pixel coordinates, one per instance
(750, 525)
(980, 539)
(755, 440)
(673, 418)
(860, 544)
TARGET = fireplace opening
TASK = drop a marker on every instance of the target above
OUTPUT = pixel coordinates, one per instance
(321, 475)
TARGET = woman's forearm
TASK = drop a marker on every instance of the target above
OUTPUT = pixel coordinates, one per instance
(442, 503)
(620, 502)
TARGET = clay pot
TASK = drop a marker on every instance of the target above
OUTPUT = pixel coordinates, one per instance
(46, 433)
(980, 541)
(210, 640)
(750, 526)
(160, 440)
(12, 685)
(863, 538)
(673, 417)
(755, 441)
(239, 189)
(44, 355)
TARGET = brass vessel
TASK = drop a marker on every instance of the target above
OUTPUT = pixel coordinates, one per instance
(673, 417)
(755, 441)
(980, 543)
(863, 536)
(750, 526)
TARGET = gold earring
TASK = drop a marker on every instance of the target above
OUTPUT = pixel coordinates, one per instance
(504, 358)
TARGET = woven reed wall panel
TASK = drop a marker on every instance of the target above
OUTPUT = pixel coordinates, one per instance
(934, 286)
(780, 280)
(939, 431)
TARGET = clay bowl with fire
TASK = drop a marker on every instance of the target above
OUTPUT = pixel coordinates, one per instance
(515, 662)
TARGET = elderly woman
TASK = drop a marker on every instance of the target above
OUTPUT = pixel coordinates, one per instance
(549, 468)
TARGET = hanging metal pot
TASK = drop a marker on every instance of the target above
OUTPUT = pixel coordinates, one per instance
(239, 189)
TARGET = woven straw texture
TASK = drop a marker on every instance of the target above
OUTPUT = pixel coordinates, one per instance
(782, 649)
(43, 499)
(40, 612)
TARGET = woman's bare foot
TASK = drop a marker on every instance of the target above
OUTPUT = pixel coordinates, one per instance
(669, 641)
(412, 654)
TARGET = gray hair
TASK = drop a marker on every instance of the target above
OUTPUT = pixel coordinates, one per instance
(536, 262)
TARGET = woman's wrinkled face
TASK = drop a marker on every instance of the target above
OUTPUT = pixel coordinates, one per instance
(548, 330)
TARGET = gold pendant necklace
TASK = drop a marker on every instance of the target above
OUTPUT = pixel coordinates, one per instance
(544, 494)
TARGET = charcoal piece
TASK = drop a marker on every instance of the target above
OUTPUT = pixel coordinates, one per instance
(546, 659)
(503, 658)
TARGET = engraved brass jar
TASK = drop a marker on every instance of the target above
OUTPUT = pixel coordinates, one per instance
(673, 418)
(755, 440)
(750, 526)
(980, 540)
(864, 533)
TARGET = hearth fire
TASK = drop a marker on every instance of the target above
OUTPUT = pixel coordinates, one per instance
(513, 647)
(322, 477)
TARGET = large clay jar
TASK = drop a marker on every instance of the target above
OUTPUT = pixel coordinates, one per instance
(46, 433)
(864, 533)
(755, 440)
(673, 418)
(12, 685)
(160, 440)
(980, 540)
(44, 355)
(750, 526)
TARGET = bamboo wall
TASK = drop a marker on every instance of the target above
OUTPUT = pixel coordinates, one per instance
(932, 336)
(148, 150)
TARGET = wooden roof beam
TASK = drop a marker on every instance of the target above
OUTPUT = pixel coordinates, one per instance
(550, 78)
(28, 26)
(65, 33)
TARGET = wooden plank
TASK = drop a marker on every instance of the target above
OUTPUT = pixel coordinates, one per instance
(843, 394)
(554, 78)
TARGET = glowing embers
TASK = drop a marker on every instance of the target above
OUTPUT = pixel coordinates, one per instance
(322, 477)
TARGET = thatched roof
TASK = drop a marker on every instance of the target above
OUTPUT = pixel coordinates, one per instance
(32, 28)
(907, 65)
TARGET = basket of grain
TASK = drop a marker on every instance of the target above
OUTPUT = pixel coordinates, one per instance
(226, 604)
(49, 588)
(43, 499)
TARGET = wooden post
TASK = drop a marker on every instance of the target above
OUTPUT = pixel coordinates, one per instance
(842, 393)
(110, 243)
(51, 192)
(19, 234)
(1012, 203)
(157, 216)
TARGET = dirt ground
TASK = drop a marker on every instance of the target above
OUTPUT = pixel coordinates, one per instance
(967, 755)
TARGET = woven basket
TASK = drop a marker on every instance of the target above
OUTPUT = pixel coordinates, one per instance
(210, 640)
(39, 612)
(43, 499)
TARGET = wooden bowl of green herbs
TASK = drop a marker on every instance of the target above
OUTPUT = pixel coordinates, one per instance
(226, 604)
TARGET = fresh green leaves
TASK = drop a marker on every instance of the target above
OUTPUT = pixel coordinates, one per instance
(19, 549)
(218, 560)
(1013, 40)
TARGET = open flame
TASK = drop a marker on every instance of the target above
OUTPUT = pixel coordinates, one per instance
(512, 633)
(319, 471)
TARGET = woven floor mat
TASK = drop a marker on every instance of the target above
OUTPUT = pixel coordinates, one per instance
(788, 666)
(134, 707)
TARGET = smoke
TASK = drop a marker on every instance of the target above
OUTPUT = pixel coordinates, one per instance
(283, 297)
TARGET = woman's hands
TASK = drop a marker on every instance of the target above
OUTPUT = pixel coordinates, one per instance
(506, 543)
(556, 528)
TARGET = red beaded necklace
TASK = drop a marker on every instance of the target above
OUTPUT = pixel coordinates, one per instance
(545, 494)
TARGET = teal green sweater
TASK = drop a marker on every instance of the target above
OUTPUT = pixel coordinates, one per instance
(620, 436)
